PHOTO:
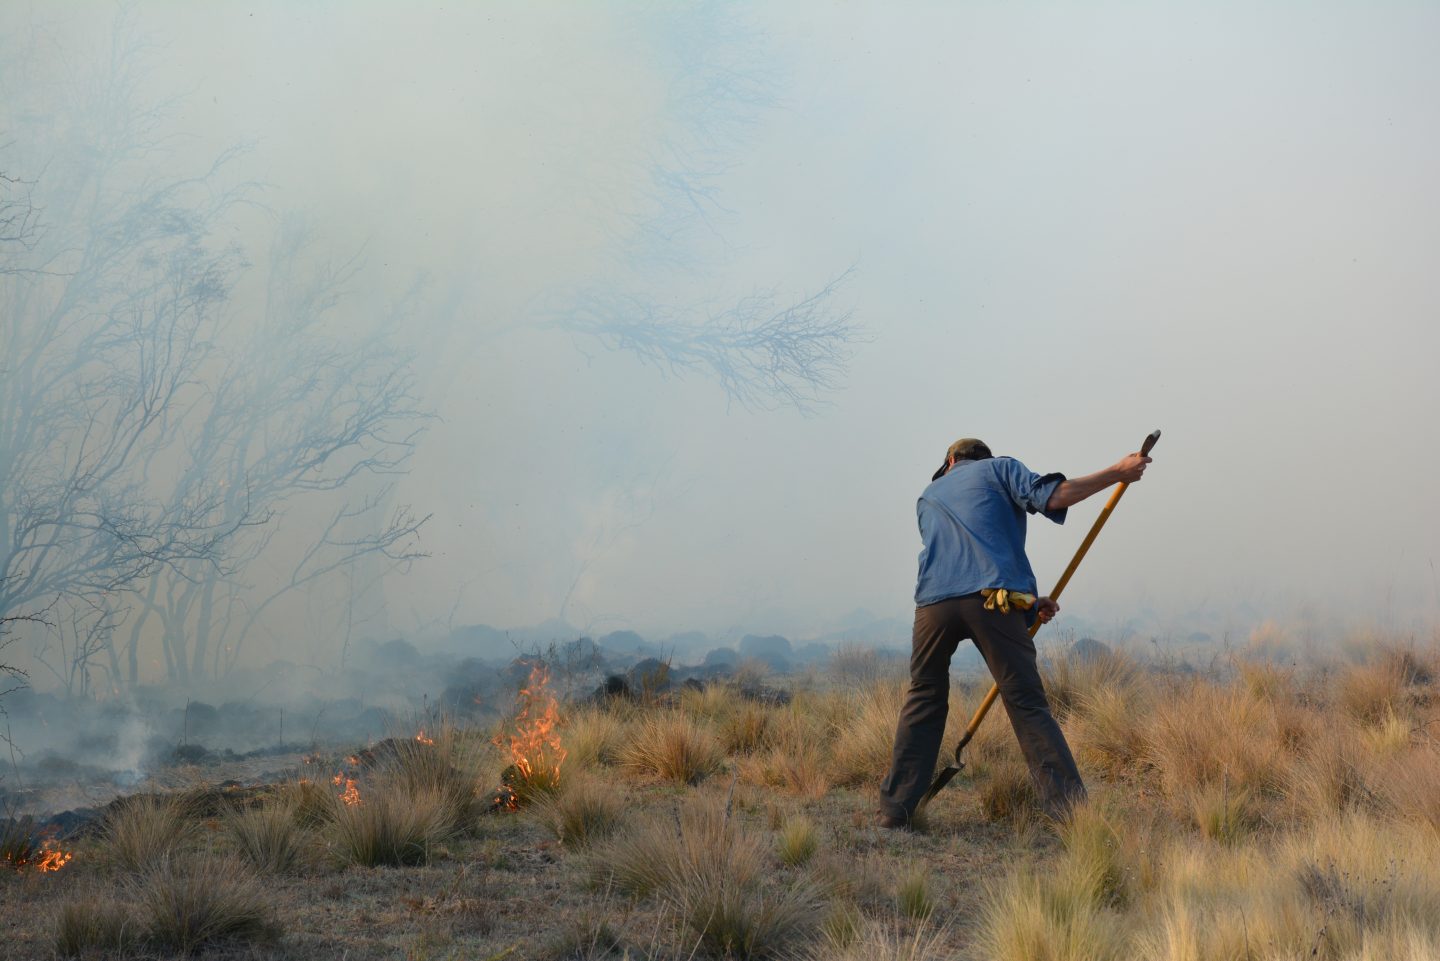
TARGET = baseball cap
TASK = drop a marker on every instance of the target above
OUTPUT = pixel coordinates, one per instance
(966, 448)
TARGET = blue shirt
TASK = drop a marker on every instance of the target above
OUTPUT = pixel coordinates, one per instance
(972, 522)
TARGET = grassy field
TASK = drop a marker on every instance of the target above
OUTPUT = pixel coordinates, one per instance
(1247, 811)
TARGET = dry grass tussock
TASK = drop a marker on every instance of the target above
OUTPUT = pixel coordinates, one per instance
(584, 811)
(390, 826)
(271, 838)
(446, 765)
(593, 737)
(714, 874)
(863, 739)
(176, 906)
(672, 747)
(142, 831)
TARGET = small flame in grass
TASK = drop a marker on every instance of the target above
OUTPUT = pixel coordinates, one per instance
(423, 738)
(46, 858)
(52, 857)
(535, 750)
(351, 794)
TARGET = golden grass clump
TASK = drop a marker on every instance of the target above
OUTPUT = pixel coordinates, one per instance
(1026, 919)
(442, 765)
(660, 851)
(1368, 692)
(731, 919)
(584, 812)
(913, 897)
(863, 741)
(1069, 679)
(672, 747)
(142, 831)
(270, 838)
(1204, 733)
(390, 826)
(1410, 786)
(1007, 793)
(798, 842)
(746, 729)
(1107, 733)
(592, 736)
(311, 804)
(203, 901)
(858, 940)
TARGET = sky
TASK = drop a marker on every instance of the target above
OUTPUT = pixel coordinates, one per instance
(1064, 225)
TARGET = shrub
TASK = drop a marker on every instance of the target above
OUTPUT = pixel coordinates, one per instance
(584, 812)
(390, 827)
(799, 840)
(270, 838)
(139, 832)
(673, 748)
(203, 902)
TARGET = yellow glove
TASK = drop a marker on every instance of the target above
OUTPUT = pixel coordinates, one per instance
(998, 598)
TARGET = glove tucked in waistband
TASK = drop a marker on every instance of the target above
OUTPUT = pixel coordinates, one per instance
(1002, 600)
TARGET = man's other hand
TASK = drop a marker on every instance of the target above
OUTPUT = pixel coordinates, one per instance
(1045, 609)
(1131, 467)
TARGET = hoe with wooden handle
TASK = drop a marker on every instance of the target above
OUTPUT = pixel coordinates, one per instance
(947, 774)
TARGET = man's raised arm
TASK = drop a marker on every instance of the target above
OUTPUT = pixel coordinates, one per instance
(1071, 492)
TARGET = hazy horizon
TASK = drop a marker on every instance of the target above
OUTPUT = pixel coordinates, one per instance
(1053, 228)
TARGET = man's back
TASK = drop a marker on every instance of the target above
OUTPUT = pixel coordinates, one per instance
(972, 522)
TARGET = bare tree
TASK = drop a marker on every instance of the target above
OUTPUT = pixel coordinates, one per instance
(765, 351)
(157, 437)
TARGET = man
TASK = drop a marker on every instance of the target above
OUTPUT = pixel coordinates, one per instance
(975, 583)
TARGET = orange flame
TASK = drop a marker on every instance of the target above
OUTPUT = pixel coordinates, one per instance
(48, 857)
(535, 749)
(423, 739)
(52, 857)
(351, 794)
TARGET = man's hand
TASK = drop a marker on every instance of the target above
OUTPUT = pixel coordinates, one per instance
(1045, 608)
(1131, 467)
(1068, 493)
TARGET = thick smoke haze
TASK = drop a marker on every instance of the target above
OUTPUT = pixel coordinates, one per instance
(1052, 228)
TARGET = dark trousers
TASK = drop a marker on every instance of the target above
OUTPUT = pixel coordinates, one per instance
(1010, 654)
